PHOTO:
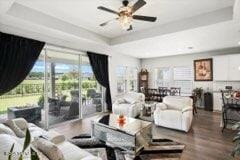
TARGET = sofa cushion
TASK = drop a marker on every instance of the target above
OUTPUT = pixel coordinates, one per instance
(48, 148)
(129, 99)
(177, 102)
(161, 106)
(36, 131)
(133, 97)
(72, 152)
(21, 123)
(6, 130)
(121, 100)
(121, 109)
(11, 124)
(169, 119)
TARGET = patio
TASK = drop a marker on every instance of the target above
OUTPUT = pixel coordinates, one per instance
(87, 110)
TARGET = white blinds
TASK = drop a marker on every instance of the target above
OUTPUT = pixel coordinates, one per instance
(182, 73)
(183, 77)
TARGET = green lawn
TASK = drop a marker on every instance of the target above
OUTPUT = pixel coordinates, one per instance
(33, 82)
(19, 101)
(42, 81)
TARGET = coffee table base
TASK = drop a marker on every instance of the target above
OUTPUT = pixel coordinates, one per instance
(131, 144)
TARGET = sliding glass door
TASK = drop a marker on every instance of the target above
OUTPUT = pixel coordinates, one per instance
(72, 91)
(62, 87)
(91, 90)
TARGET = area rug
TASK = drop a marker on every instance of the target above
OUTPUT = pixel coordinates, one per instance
(98, 152)
(158, 149)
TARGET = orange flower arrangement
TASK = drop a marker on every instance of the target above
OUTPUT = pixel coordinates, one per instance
(121, 120)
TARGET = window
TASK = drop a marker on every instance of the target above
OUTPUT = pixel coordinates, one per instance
(126, 79)
(121, 72)
(182, 77)
(162, 78)
(132, 78)
(28, 93)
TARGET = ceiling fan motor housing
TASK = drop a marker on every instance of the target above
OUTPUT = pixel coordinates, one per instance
(125, 3)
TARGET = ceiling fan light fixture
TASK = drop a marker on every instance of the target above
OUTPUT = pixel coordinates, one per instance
(125, 21)
(125, 17)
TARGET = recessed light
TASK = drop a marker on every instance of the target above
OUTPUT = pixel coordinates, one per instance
(239, 68)
(239, 43)
(190, 47)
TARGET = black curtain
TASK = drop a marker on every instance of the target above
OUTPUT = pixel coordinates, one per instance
(17, 57)
(99, 65)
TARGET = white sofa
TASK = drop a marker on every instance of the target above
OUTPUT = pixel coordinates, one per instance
(174, 112)
(69, 150)
(129, 104)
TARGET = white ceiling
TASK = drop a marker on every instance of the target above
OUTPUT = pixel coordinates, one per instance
(213, 37)
(201, 24)
(84, 13)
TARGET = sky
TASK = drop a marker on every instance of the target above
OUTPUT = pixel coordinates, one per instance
(61, 68)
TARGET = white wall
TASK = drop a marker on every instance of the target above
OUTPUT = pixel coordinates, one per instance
(182, 60)
(120, 60)
(80, 45)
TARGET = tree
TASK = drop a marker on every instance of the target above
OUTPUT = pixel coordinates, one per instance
(64, 77)
(73, 74)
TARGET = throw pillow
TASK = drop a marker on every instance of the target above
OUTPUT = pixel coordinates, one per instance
(58, 139)
(21, 123)
(11, 124)
(130, 99)
(40, 155)
(6, 130)
(48, 148)
(121, 100)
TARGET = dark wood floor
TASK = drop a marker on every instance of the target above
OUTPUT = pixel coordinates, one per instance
(205, 141)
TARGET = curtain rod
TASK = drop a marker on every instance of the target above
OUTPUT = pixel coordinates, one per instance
(67, 48)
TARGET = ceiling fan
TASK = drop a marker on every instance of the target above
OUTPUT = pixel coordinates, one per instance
(126, 14)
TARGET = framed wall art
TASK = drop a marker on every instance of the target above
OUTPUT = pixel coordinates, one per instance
(203, 70)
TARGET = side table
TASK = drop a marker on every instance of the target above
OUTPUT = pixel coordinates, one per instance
(147, 110)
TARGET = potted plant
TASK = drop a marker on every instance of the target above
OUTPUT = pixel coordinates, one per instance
(26, 144)
(41, 101)
(198, 92)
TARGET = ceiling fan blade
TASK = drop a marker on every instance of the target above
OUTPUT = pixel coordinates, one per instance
(105, 23)
(139, 4)
(107, 10)
(145, 18)
(130, 28)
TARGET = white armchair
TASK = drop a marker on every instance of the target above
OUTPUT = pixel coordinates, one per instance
(129, 104)
(175, 112)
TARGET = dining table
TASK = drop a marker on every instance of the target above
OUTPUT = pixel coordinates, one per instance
(230, 111)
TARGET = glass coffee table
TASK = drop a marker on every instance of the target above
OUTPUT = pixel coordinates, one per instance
(132, 136)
